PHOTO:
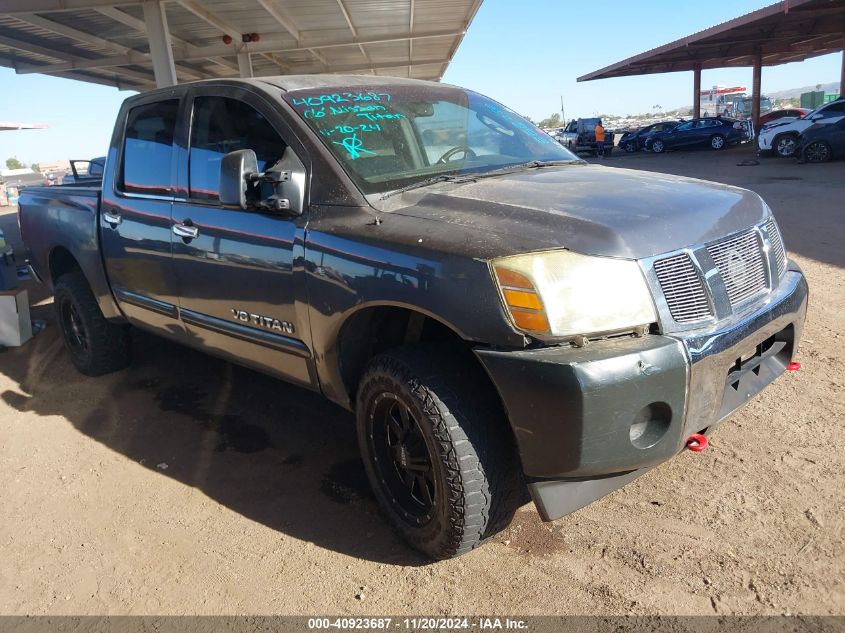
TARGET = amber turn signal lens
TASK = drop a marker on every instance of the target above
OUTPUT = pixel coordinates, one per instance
(508, 278)
(530, 321)
(522, 301)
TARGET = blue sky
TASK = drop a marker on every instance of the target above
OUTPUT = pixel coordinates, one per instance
(527, 58)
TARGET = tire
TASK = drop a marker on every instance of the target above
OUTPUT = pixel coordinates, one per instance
(657, 146)
(630, 147)
(470, 486)
(817, 152)
(717, 142)
(96, 346)
(785, 145)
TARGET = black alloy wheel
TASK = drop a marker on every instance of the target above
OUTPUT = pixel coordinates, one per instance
(402, 458)
(817, 152)
(73, 328)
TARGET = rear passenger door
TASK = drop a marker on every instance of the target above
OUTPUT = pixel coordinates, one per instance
(135, 216)
(235, 269)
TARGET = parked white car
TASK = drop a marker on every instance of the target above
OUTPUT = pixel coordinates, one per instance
(781, 135)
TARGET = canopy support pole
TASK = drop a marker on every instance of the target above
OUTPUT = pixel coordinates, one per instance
(161, 47)
(842, 75)
(696, 89)
(245, 65)
(755, 89)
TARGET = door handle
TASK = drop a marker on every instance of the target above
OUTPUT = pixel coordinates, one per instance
(186, 230)
(112, 218)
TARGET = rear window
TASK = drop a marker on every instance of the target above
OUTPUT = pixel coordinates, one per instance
(147, 145)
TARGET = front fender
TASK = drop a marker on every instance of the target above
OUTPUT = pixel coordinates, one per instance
(352, 263)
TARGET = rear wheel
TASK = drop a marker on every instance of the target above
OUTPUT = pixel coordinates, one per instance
(96, 346)
(785, 145)
(717, 141)
(817, 152)
(657, 146)
(437, 451)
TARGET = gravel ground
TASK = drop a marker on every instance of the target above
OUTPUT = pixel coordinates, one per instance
(186, 485)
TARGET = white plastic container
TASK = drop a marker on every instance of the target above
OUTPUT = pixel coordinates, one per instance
(15, 324)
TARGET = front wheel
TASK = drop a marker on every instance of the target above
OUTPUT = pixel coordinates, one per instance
(657, 146)
(630, 147)
(817, 152)
(786, 145)
(717, 141)
(437, 450)
(97, 346)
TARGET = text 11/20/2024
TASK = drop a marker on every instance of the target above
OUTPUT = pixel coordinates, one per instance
(418, 623)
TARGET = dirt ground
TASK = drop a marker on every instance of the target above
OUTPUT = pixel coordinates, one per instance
(186, 485)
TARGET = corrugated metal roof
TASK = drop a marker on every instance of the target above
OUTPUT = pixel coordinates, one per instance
(105, 41)
(788, 31)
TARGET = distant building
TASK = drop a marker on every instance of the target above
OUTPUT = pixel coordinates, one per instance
(8, 174)
(55, 166)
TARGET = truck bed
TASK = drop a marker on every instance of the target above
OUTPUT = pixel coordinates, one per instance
(59, 221)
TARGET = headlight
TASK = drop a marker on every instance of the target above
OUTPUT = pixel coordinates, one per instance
(563, 294)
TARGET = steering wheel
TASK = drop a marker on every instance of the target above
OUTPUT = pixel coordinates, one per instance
(468, 153)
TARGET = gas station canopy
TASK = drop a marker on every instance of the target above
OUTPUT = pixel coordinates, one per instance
(138, 44)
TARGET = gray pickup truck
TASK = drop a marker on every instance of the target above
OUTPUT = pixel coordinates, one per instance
(502, 317)
(580, 136)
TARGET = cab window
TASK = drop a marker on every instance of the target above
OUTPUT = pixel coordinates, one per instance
(221, 125)
(147, 145)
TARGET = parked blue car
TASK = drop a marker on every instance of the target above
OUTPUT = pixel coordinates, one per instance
(713, 132)
(633, 140)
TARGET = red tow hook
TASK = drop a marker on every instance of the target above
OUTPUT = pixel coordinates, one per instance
(697, 442)
(793, 366)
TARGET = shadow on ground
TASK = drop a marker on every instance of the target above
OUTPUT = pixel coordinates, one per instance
(272, 452)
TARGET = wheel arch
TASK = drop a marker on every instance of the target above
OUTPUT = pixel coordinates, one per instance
(61, 260)
(376, 326)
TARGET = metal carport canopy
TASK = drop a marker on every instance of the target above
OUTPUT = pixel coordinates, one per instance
(788, 31)
(138, 44)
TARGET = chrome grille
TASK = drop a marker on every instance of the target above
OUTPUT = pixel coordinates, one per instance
(741, 265)
(683, 289)
(777, 245)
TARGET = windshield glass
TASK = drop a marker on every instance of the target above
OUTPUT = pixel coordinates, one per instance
(390, 137)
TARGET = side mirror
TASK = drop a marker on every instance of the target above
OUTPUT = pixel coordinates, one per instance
(816, 117)
(235, 170)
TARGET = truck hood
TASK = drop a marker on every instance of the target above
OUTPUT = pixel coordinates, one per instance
(589, 209)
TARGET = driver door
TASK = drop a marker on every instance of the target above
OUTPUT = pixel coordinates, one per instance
(235, 268)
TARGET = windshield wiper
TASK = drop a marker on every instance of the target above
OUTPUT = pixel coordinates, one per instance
(430, 181)
(473, 176)
(531, 164)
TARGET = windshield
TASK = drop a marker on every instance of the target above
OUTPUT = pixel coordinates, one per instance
(389, 137)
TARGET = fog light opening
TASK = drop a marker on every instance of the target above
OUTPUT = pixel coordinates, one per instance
(650, 425)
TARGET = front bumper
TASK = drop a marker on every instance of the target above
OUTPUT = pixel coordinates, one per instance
(764, 142)
(588, 420)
